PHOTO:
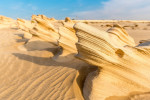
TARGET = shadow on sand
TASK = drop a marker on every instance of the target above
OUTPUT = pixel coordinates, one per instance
(83, 68)
(70, 61)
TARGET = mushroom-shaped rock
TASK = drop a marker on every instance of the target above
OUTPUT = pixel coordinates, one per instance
(122, 70)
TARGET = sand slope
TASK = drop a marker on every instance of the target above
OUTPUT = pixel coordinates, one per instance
(29, 72)
(34, 75)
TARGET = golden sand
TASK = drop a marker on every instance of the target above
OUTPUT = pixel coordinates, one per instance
(39, 61)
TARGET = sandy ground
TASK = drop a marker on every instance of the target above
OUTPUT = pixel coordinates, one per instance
(34, 75)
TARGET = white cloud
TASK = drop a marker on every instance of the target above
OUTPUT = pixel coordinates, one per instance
(119, 9)
(23, 6)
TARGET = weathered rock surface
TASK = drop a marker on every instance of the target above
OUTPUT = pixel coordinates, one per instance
(6, 22)
(123, 70)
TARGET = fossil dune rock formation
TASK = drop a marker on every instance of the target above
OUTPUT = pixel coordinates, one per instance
(65, 52)
(120, 37)
(113, 51)
(4, 19)
(47, 69)
(39, 27)
(34, 75)
(43, 17)
(123, 68)
(38, 31)
(6, 22)
(67, 41)
(44, 29)
(25, 25)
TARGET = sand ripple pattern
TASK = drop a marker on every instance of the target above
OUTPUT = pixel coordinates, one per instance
(34, 75)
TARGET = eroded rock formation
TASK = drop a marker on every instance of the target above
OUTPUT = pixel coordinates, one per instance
(120, 37)
(39, 31)
(4, 19)
(6, 22)
(58, 33)
(123, 73)
(26, 26)
(63, 36)
(123, 68)
(45, 31)
(43, 17)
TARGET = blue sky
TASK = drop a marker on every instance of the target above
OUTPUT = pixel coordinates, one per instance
(51, 8)
(78, 9)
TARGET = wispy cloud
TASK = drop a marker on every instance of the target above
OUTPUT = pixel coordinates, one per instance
(80, 2)
(33, 7)
(17, 6)
(23, 6)
(64, 9)
(22, 10)
(119, 9)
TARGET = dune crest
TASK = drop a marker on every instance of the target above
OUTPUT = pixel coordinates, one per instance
(123, 71)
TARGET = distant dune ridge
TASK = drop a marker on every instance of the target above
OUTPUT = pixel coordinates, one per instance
(48, 59)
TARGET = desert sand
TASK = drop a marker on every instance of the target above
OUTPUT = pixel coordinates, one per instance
(48, 59)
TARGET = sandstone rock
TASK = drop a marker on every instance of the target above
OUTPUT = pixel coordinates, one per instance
(122, 70)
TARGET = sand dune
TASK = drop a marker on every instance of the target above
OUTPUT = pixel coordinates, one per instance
(38, 59)
(35, 75)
